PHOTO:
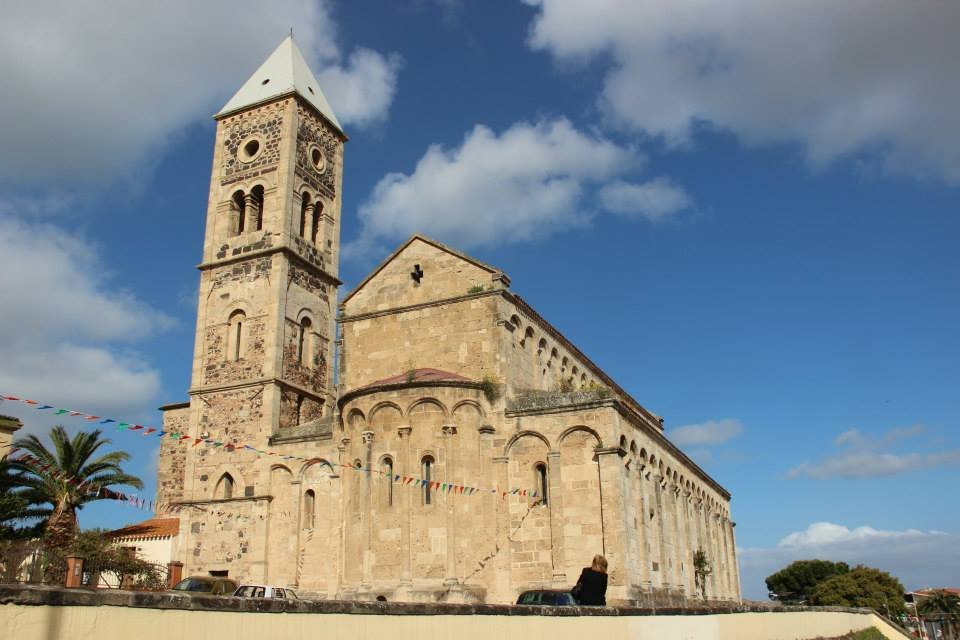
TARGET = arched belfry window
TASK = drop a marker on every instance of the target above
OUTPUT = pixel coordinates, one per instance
(303, 343)
(235, 335)
(238, 213)
(224, 490)
(387, 469)
(304, 211)
(309, 508)
(317, 217)
(426, 475)
(543, 487)
(257, 208)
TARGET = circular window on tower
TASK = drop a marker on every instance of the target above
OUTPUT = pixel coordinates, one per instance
(318, 158)
(250, 149)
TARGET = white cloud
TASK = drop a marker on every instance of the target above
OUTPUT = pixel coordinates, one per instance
(917, 558)
(864, 464)
(523, 183)
(864, 456)
(655, 200)
(712, 432)
(361, 91)
(96, 93)
(68, 335)
(842, 78)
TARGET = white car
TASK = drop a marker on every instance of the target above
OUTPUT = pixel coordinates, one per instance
(264, 591)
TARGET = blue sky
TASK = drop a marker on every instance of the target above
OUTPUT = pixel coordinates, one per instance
(746, 214)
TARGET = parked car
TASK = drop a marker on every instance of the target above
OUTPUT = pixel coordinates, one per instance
(264, 591)
(206, 585)
(547, 597)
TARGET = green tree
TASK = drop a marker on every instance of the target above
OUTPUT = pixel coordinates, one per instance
(50, 494)
(943, 606)
(861, 587)
(794, 583)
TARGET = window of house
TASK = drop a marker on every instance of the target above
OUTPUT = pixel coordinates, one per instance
(309, 505)
(225, 487)
(542, 485)
(315, 226)
(387, 469)
(235, 337)
(303, 343)
(257, 212)
(426, 468)
(304, 208)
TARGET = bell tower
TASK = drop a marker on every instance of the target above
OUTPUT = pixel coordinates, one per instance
(270, 258)
(263, 359)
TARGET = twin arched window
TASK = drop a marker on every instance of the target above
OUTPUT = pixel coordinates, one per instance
(311, 214)
(246, 211)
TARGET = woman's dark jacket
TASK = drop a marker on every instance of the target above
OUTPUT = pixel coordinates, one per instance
(593, 587)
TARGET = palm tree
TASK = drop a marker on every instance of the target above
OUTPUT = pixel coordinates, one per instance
(63, 480)
(943, 606)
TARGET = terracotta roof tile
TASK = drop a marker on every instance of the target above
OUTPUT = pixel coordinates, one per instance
(152, 528)
(419, 375)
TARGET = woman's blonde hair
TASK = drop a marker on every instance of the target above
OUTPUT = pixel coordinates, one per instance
(599, 563)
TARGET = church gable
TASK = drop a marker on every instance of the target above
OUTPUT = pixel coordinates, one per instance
(421, 271)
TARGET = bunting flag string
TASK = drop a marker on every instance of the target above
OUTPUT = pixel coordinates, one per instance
(445, 488)
(133, 500)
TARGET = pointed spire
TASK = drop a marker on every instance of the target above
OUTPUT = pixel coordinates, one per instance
(285, 71)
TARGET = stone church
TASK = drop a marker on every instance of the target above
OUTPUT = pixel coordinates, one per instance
(312, 416)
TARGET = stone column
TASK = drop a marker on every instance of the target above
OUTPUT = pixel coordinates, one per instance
(366, 512)
(502, 573)
(451, 581)
(612, 522)
(725, 545)
(661, 523)
(687, 551)
(345, 498)
(406, 579)
(679, 540)
(646, 545)
(734, 563)
(487, 500)
(715, 555)
(555, 506)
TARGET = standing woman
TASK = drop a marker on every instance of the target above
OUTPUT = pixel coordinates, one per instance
(591, 588)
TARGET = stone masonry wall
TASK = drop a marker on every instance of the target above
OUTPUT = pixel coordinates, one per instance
(171, 460)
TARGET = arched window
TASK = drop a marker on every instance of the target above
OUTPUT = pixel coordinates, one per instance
(543, 488)
(239, 213)
(315, 226)
(303, 343)
(304, 208)
(224, 489)
(309, 506)
(426, 469)
(257, 213)
(387, 468)
(235, 336)
(299, 410)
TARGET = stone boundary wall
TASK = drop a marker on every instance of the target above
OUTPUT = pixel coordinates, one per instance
(43, 613)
